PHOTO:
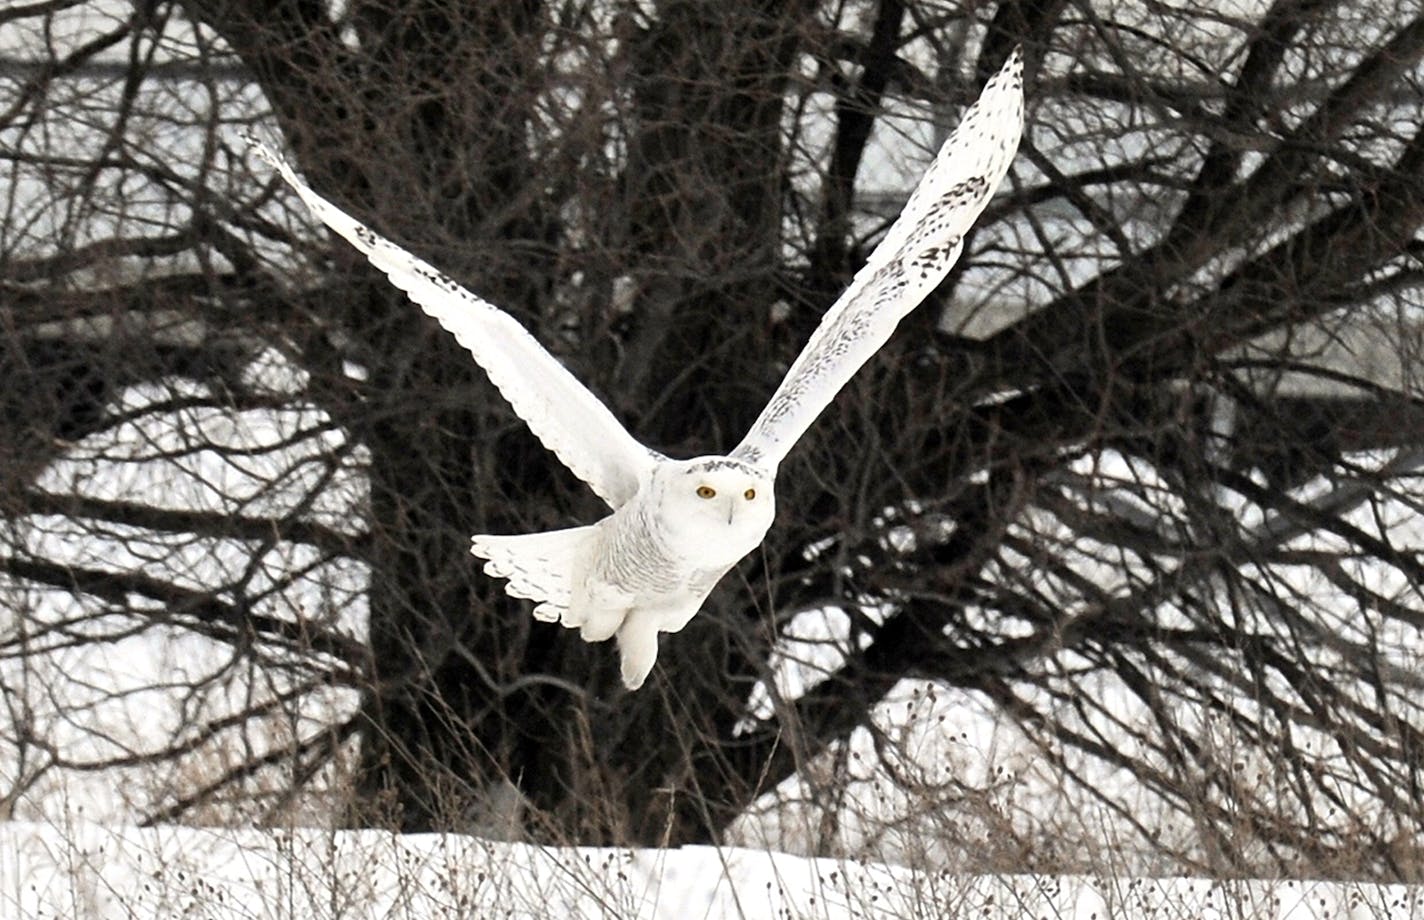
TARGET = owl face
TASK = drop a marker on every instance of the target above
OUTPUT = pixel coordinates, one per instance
(715, 508)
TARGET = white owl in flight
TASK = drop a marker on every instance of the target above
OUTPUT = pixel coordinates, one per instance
(678, 526)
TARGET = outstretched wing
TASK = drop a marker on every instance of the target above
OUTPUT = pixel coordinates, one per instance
(915, 255)
(562, 413)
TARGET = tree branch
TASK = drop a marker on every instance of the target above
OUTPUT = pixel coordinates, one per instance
(209, 615)
(203, 523)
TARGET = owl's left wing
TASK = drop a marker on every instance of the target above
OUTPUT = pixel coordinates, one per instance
(917, 252)
(562, 413)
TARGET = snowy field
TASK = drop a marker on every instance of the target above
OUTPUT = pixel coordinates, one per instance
(89, 870)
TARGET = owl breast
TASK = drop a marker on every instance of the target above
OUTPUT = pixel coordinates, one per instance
(633, 555)
(657, 559)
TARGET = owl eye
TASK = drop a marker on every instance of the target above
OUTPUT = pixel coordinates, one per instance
(706, 492)
(749, 494)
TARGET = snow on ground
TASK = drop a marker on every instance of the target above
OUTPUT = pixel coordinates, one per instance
(82, 870)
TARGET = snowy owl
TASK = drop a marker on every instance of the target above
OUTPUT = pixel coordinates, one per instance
(678, 526)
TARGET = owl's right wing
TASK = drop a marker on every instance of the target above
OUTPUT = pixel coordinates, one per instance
(917, 252)
(562, 413)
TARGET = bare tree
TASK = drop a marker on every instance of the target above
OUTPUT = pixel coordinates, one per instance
(1142, 472)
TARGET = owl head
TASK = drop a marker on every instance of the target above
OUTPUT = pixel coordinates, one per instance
(714, 507)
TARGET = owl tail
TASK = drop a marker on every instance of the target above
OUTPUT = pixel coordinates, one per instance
(538, 566)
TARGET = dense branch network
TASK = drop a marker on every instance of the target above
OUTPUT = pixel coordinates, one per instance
(1116, 485)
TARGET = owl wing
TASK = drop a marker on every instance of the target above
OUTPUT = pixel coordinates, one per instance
(917, 252)
(562, 413)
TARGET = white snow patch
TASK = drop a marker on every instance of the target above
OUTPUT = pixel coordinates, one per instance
(89, 870)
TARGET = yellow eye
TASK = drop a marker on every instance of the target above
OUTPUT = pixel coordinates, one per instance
(749, 494)
(706, 492)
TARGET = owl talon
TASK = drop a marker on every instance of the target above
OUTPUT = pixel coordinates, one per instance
(638, 647)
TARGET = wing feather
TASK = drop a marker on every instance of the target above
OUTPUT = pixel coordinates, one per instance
(562, 413)
(917, 252)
